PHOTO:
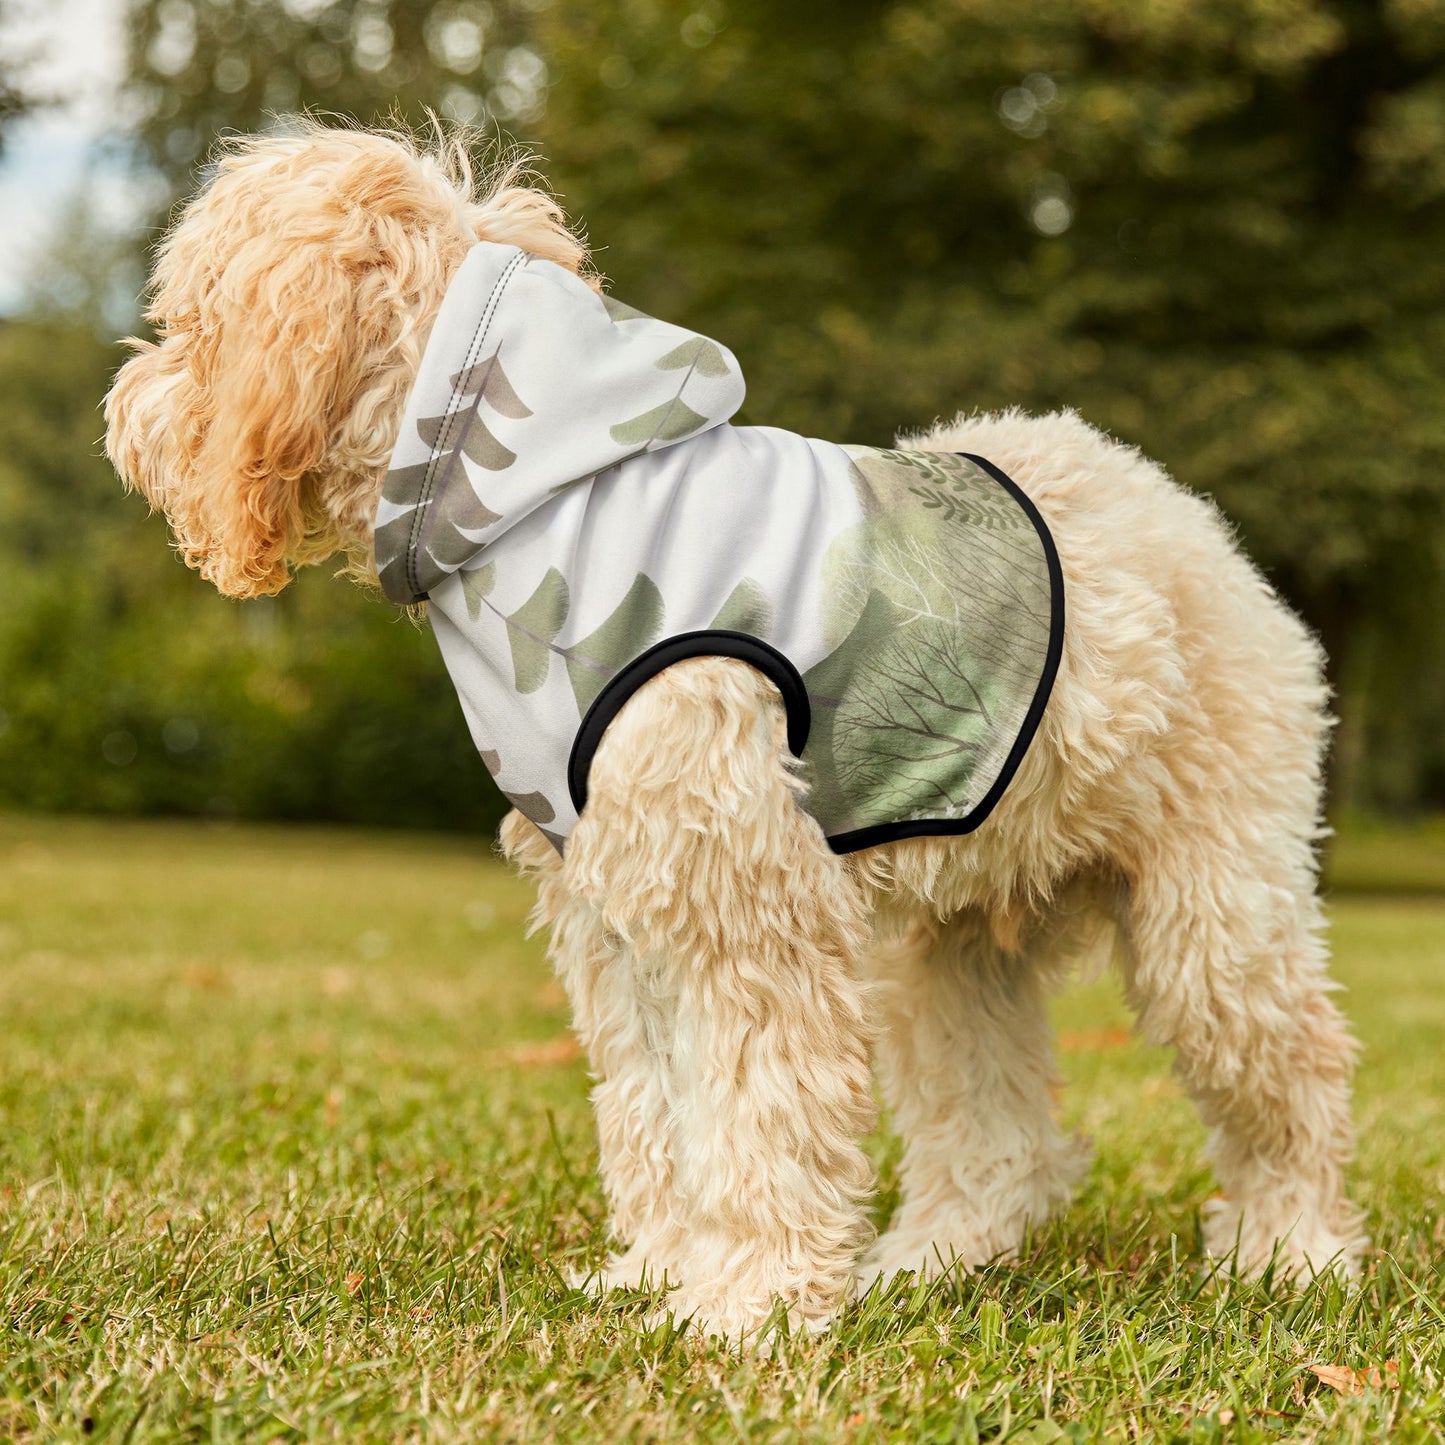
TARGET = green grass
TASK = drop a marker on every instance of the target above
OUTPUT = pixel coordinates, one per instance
(284, 1155)
(1373, 856)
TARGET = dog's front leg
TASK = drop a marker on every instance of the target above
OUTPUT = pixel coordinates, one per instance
(736, 936)
(623, 1023)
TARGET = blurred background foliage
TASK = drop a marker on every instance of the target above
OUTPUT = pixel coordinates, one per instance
(1214, 227)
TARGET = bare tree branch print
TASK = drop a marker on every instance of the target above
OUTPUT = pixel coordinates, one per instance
(911, 731)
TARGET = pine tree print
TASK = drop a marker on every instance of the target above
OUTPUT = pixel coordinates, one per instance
(463, 428)
(414, 553)
(467, 432)
(393, 538)
(459, 511)
(488, 377)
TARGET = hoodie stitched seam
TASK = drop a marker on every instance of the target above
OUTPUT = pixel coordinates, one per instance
(439, 450)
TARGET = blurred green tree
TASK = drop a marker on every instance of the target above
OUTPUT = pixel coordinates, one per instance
(202, 67)
(1216, 229)
(127, 685)
(15, 97)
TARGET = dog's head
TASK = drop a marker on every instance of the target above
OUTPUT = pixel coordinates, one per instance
(291, 302)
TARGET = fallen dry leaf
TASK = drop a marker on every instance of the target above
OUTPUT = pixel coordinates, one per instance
(551, 995)
(354, 1283)
(1096, 1041)
(560, 1050)
(335, 982)
(202, 975)
(1347, 1381)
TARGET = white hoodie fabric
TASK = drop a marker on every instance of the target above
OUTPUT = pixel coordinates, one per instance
(570, 497)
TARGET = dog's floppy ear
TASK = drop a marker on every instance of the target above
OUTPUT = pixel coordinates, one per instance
(143, 416)
(272, 356)
(283, 299)
(222, 422)
(292, 300)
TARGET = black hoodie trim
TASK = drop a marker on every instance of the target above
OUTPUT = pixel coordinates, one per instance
(707, 642)
(953, 827)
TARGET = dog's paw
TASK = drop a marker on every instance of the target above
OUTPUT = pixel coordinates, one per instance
(1298, 1246)
(753, 1324)
(965, 1228)
(957, 1243)
(898, 1254)
(632, 1270)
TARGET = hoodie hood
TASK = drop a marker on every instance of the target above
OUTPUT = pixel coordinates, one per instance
(531, 383)
(570, 495)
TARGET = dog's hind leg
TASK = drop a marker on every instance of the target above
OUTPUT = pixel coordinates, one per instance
(966, 1060)
(741, 930)
(1225, 960)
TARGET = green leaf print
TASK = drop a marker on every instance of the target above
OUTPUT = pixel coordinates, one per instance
(633, 626)
(621, 311)
(941, 617)
(960, 490)
(536, 806)
(747, 609)
(532, 627)
(578, 481)
(828, 683)
(669, 422)
(697, 354)
(476, 588)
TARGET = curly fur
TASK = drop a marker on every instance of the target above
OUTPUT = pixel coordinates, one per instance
(292, 301)
(729, 975)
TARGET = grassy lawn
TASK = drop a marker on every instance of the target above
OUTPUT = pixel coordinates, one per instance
(292, 1146)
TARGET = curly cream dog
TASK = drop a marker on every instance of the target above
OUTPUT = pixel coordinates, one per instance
(732, 977)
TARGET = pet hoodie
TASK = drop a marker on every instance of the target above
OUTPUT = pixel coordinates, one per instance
(569, 495)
